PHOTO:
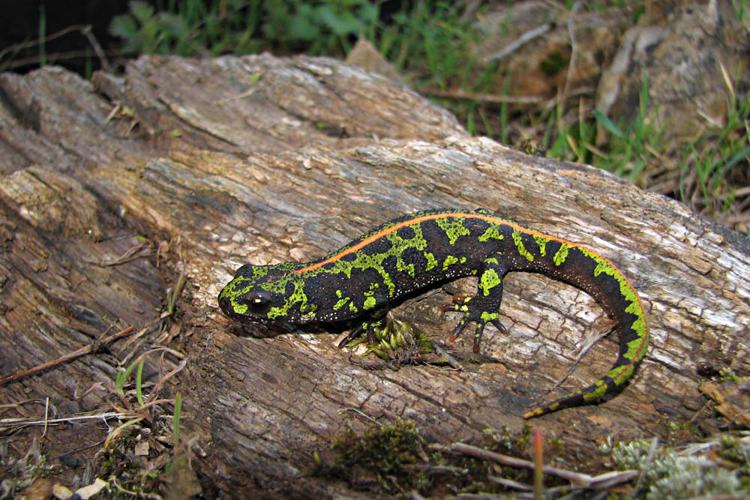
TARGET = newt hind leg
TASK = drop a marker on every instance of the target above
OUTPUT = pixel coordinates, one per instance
(483, 307)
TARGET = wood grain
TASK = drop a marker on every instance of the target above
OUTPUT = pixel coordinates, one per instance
(261, 159)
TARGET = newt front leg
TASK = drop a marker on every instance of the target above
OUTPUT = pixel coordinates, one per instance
(484, 307)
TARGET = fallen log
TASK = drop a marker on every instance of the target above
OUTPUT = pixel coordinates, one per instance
(210, 164)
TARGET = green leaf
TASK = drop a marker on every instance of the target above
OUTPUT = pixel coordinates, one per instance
(368, 12)
(139, 383)
(300, 26)
(176, 419)
(608, 124)
(741, 155)
(120, 382)
(123, 26)
(142, 11)
(340, 23)
(255, 78)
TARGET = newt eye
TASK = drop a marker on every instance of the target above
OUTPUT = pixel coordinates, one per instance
(257, 300)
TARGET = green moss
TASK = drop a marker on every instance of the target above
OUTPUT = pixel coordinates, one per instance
(673, 475)
(726, 374)
(554, 63)
(378, 456)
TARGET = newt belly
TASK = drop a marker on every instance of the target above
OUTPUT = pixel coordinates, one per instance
(373, 273)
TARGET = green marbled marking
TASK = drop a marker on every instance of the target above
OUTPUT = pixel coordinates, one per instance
(453, 228)
(488, 316)
(492, 260)
(521, 248)
(370, 301)
(622, 373)
(260, 271)
(353, 308)
(601, 390)
(399, 245)
(432, 262)
(298, 296)
(561, 255)
(449, 261)
(362, 262)
(541, 242)
(341, 302)
(488, 281)
(639, 325)
(230, 291)
(491, 233)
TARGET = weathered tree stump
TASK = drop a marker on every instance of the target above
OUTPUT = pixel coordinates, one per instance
(260, 159)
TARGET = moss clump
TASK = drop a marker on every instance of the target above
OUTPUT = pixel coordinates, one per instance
(737, 451)
(726, 374)
(671, 475)
(378, 458)
(23, 471)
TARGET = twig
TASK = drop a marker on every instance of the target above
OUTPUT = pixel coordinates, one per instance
(478, 96)
(601, 482)
(93, 347)
(46, 416)
(436, 469)
(452, 362)
(509, 483)
(162, 380)
(86, 31)
(130, 254)
(53, 36)
(519, 42)
(588, 342)
(362, 414)
(83, 29)
(473, 451)
(26, 421)
(573, 49)
(646, 466)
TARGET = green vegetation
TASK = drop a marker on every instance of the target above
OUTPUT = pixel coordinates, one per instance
(395, 458)
(244, 27)
(666, 472)
(377, 457)
(433, 45)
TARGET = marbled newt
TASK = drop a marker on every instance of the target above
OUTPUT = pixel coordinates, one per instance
(373, 273)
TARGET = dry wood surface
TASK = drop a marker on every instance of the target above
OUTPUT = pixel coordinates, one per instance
(109, 189)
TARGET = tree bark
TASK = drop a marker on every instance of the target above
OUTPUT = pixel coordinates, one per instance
(225, 161)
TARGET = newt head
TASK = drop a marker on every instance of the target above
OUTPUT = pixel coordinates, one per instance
(266, 294)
